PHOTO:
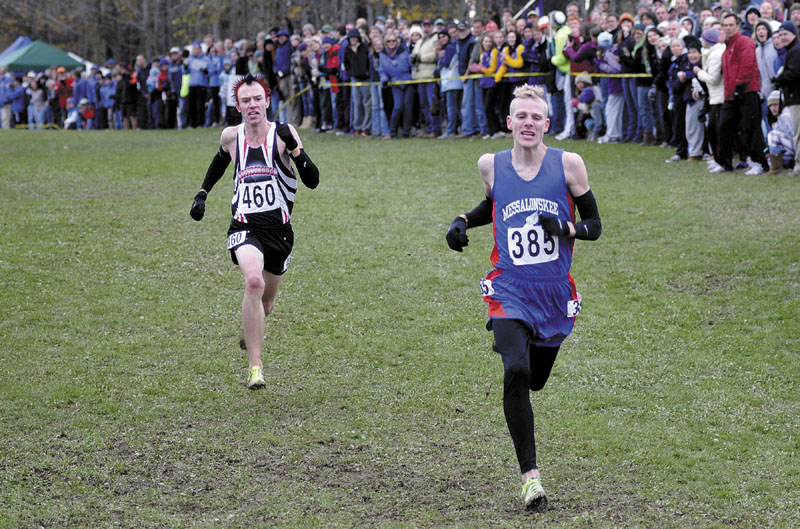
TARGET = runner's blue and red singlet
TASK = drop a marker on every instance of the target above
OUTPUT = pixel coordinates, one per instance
(531, 280)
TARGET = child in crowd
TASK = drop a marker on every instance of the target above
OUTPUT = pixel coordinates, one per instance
(780, 137)
(695, 97)
(679, 92)
(589, 104)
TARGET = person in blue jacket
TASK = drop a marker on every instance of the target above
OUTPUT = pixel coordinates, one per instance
(396, 68)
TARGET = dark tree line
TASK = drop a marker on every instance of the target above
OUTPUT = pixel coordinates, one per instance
(121, 29)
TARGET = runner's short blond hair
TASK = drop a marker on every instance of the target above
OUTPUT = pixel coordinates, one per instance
(529, 91)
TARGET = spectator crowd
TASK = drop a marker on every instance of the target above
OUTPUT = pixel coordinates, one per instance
(717, 84)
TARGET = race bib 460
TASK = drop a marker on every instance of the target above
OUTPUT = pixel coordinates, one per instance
(256, 197)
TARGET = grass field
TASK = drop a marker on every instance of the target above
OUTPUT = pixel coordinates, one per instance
(674, 404)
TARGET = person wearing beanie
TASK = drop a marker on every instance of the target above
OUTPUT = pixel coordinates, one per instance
(695, 101)
(741, 110)
(788, 81)
(679, 83)
(780, 134)
(711, 74)
(590, 106)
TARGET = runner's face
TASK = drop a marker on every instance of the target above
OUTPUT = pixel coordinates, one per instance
(252, 103)
(528, 122)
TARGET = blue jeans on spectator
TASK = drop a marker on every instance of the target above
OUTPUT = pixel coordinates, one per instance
(631, 118)
(470, 119)
(275, 104)
(361, 105)
(480, 108)
(453, 111)
(403, 98)
(380, 125)
(335, 102)
(426, 93)
(308, 105)
(39, 118)
(646, 111)
(183, 113)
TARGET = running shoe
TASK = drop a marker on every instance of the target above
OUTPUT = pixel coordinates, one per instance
(533, 495)
(255, 378)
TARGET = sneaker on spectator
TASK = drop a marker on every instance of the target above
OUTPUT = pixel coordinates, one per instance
(486, 136)
(674, 158)
(498, 134)
(712, 164)
(755, 169)
(563, 136)
(717, 169)
(707, 157)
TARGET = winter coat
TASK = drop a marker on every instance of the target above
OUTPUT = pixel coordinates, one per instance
(739, 66)
(711, 73)
(789, 78)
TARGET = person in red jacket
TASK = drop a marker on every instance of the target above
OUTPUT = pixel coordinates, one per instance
(741, 110)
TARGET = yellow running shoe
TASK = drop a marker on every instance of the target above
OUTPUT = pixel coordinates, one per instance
(534, 496)
(255, 378)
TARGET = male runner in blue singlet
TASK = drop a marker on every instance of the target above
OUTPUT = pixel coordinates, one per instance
(531, 191)
(260, 236)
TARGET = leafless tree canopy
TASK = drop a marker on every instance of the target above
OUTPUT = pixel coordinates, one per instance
(101, 29)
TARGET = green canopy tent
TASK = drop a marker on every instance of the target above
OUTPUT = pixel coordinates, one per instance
(38, 56)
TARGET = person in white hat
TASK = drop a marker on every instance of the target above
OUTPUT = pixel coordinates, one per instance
(780, 138)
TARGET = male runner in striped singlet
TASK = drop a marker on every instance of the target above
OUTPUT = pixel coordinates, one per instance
(531, 191)
(260, 236)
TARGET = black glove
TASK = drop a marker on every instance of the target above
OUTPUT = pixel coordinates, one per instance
(285, 134)
(199, 206)
(204, 71)
(457, 235)
(738, 91)
(554, 226)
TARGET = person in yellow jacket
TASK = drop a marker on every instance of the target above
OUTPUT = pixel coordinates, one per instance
(560, 95)
(423, 61)
(488, 68)
(511, 62)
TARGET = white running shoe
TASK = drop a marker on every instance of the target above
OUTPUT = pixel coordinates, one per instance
(755, 169)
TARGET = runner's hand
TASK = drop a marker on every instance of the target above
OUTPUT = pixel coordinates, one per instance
(457, 235)
(199, 206)
(285, 134)
(554, 226)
